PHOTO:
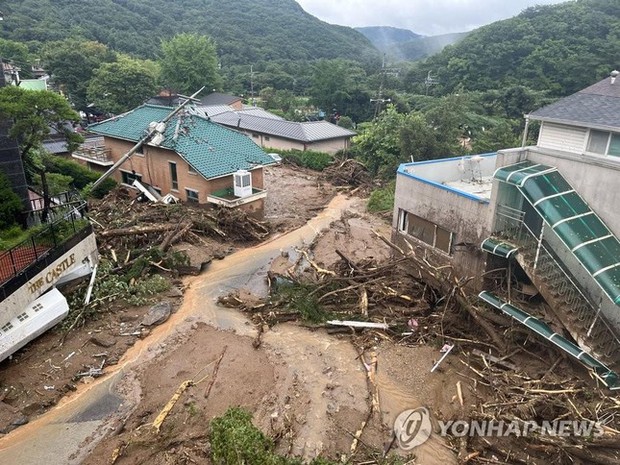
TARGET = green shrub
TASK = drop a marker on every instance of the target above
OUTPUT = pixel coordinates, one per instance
(11, 205)
(382, 199)
(82, 176)
(311, 159)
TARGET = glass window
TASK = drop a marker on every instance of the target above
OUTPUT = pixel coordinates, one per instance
(422, 229)
(192, 195)
(403, 222)
(598, 142)
(173, 175)
(128, 178)
(443, 239)
(614, 145)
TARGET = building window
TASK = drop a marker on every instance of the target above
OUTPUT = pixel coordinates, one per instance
(267, 138)
(604, 143)
(7, 327)
(37, 307)
(192, 195)
(173, 175)
(22, 316)
(128, 178)
(425, 231)
(191, 170)
(140, 151)
(255, 136)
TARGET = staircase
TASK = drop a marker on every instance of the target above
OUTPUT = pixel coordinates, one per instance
(570, 305)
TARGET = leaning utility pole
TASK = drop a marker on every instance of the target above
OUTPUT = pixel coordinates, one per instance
(154, 130)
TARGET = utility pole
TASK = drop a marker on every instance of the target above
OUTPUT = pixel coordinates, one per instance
(252, 84)
(430, 81)
(158, 128)
(380, 100)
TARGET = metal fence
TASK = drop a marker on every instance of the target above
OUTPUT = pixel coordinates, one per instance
(67, 221)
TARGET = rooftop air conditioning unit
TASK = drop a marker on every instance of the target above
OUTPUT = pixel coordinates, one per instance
(242, 183)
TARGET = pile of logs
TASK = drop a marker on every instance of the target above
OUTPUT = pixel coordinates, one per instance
(515, 377)
(348, 172)
(128, 228)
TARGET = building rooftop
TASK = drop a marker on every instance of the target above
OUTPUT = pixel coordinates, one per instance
(469, 176)
(597, 106)
(210, 149)
(311, 131)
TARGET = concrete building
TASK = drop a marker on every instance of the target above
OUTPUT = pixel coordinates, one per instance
(195, 159)
(546, 214)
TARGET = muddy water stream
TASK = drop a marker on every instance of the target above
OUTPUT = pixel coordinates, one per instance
(58, 437)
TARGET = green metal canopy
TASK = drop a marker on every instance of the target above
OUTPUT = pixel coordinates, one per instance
(499, 248)
(602, 371)
(563, 209)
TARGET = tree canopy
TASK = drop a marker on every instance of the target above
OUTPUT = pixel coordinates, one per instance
(122, 85)
(73, 62)
(189, 61)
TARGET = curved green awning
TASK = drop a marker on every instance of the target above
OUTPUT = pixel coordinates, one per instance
(602, 371)
(499, 248)
(577, 225)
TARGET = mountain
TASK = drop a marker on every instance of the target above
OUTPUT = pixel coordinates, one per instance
(384, 36)
(558, 49)
(245, 31)
(403, 44)
(422, 47)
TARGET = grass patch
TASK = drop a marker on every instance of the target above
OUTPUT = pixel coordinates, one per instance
(382, 199)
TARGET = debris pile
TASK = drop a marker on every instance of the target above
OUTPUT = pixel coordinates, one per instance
(348, 172)
(129, 230)
(515, 378)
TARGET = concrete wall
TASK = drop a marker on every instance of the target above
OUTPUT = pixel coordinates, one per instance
(469, 221)
(154, 168)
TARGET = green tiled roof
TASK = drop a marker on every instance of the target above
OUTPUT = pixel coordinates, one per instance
(209, 148)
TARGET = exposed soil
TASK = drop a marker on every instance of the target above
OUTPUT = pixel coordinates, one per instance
(294, 195)
(35, 378)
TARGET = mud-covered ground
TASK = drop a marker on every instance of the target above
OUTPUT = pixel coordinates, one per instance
(35, 378)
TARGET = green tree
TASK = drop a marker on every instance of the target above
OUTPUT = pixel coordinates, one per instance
(17, 52)
(11, 205)
(33, 113)
(188, 62)
(339, 85)
(72, 63)
(122, 85)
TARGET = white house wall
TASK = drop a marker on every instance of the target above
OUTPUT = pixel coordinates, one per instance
(560, 137)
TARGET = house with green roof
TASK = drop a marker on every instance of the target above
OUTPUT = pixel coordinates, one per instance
(195, 160)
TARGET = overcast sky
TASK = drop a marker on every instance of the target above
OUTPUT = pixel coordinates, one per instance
(426, 17)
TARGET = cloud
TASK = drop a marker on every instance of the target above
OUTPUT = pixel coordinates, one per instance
(426, 17)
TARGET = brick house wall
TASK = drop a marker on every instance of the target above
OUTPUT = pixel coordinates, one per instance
(153, 165)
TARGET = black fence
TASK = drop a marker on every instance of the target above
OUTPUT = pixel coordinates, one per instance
(22, 262)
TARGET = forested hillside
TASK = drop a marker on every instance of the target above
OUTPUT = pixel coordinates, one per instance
(557, 48)
(244, 30)
(405, 45)
(384, 36)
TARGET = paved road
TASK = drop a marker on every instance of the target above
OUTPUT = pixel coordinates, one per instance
(58, 437)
